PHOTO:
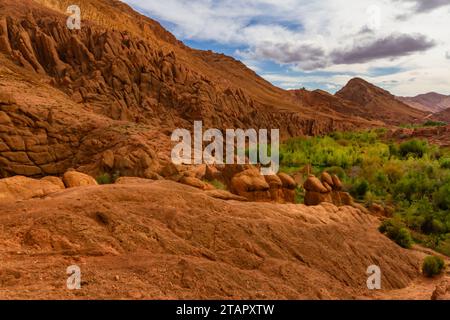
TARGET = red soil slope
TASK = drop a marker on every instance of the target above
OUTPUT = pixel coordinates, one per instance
(166, 240)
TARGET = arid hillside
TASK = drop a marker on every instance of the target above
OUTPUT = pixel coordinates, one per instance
(430, 102)
(379, 103)
(144, 239)
(443, 115)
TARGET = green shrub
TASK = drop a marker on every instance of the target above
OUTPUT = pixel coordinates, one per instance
(432, 226)
(359, 189)
(444, 246)
(299, 195)
(397, 232)
(416, 148)
(394, 170)
(108, 178)
(445, 163)
(393, 150)
(432, 266)
(407, 187)
(218, 185)
(369, 199)
(431, 123)
(442, 197)
(104, 178)
(403, 238)
(337, 171)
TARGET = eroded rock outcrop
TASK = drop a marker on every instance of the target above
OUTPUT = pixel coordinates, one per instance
(442, 291)
(109, 97)
(326, 189)
(256, 187)
(74, 179)
(24, 188)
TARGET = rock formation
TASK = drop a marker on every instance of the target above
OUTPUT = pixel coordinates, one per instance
(442, 291)
(326, 189)
(23, 188)
(109, 97)
(74, 179)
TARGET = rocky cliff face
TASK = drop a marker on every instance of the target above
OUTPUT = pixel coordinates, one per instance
(123, 77)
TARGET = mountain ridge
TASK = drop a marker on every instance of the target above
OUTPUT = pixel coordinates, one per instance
(380, 103)
(432, 101)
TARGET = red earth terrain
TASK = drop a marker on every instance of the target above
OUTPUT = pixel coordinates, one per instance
(105, 99)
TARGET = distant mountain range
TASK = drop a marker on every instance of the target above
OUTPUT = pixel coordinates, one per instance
(431, 102)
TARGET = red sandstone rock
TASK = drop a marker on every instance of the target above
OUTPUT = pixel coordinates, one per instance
(314, 185)
(77, 179)
(23, 188)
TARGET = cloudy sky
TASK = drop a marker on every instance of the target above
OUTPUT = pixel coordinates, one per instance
(401, 45)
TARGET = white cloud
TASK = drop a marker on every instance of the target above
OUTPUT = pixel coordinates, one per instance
(302, 35)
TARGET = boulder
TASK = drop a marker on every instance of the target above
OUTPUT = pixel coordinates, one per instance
(23, 188)
(314, 185)
(193, 182)
(318, 191)
(326, 177)
(326, 185)
(55, 180)
(198, 172)
(251, 185)
(274, 181)
(337, 184)
(336, 198)
(288, 195)
(74, 179)
(287, 180)
(170, 170)
(442, 291)
(313, 198)
(224, 195)
(212, 173)
(150, 174)
(108, 159)
(346, 199)
(282, 188)
(248, 181)
(276, 188)
(377, 209)
(229, 171)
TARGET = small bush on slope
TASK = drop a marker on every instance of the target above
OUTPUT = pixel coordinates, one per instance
(397, 232)
(433, 266)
